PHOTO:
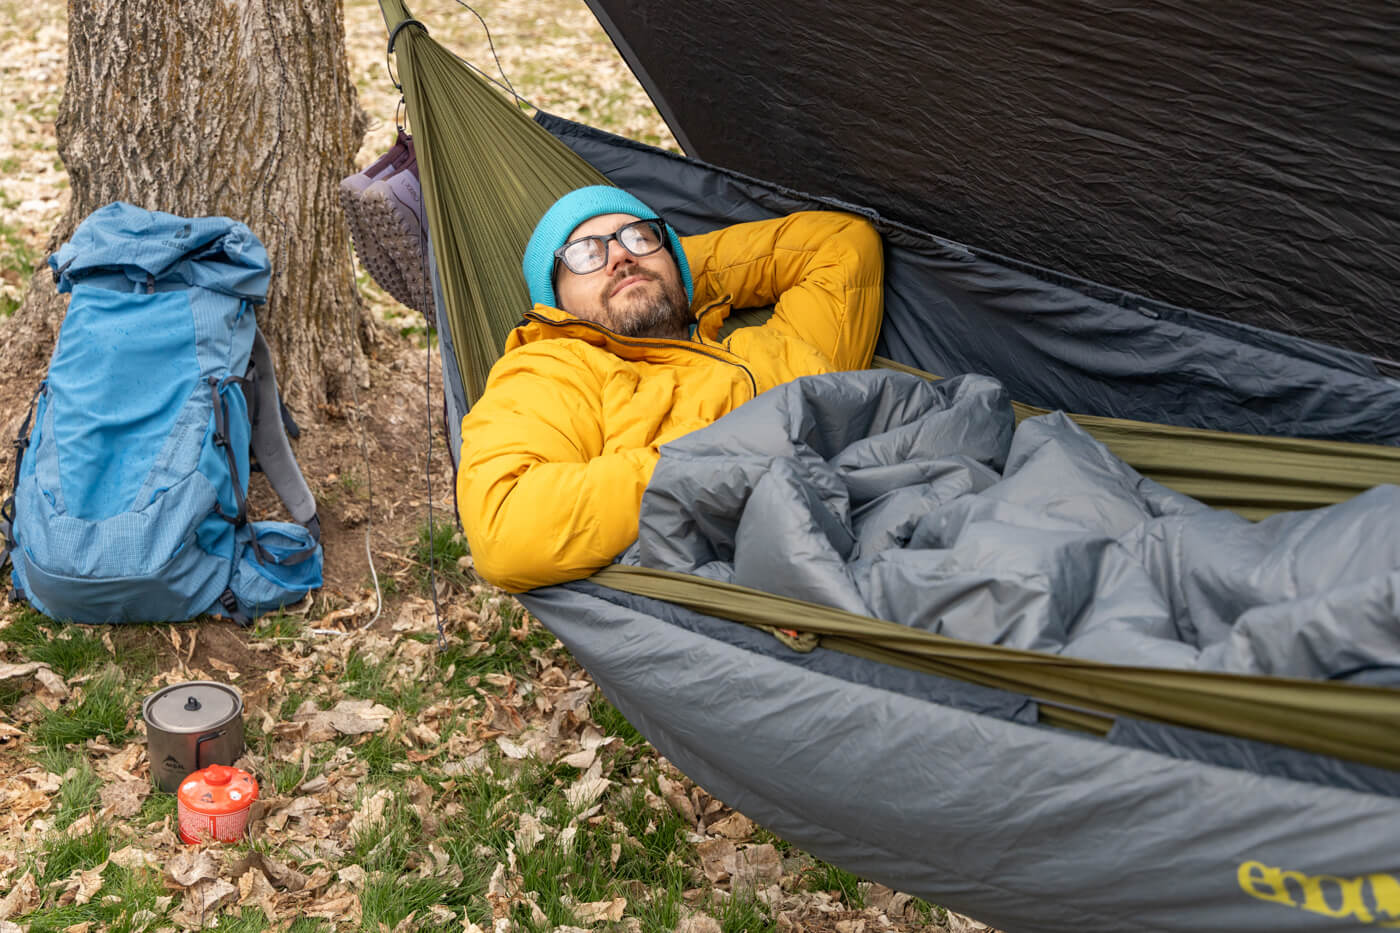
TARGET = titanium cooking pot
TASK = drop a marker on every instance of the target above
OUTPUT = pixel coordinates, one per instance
(190, 726)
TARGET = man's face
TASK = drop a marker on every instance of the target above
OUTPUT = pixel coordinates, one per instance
(635, 296)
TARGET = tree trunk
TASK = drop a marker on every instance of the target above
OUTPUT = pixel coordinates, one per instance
(241, 108)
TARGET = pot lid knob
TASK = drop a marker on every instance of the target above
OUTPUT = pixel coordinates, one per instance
(191, 704)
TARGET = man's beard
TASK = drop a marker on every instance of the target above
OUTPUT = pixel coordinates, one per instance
(648, 313)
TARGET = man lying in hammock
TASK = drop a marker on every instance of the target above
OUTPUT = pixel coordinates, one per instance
(621, 354)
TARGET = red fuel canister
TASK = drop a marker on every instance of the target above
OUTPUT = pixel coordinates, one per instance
(214, 804)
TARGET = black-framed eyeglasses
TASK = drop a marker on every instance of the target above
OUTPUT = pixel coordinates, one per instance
(588, 254)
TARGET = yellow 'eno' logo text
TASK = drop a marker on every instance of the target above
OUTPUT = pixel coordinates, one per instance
(1328, 895)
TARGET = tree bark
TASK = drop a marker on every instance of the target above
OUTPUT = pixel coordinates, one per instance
(241, 108)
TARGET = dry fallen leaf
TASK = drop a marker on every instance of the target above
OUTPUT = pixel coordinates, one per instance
(131, 857)
(699, 923)
(20, 801)
(52, 683)
(353, 875)
(588, 788)
(716, 859)
(21, 899)
(957, 923)
(733, 826)
(531, 831)
(191, 866)
(680, 802)
(83, 885)
(582, 759)
(889, 902)
(348, 717)
(8, 671)
(120, 766)
(124, 798)
(371, 812)
(43, 781)
(755, 866)
(254, 889)
(511, 749)
(599, 911)
(338, 905)
(202, 900)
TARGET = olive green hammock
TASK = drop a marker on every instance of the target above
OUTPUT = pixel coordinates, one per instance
(489, 171)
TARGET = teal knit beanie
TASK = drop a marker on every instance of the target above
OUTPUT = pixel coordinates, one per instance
(567, 213)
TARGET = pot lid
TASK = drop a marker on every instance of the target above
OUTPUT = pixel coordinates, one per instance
(218, 790)
(192, 706)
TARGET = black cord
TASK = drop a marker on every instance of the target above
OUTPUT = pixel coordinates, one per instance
(432, 527)
(389, 52)
(492, 45)
(507, 86)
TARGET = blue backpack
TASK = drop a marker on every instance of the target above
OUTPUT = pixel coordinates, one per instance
(130, 490)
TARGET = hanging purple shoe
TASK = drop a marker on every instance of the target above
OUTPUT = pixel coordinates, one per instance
(372, 255)
(395, 218)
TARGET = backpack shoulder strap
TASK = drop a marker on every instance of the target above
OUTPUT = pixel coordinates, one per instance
(270, 443)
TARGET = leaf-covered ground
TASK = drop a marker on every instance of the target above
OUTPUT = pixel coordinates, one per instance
(480, 784)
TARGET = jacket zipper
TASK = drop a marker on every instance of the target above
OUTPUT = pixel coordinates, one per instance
(700, 318)
(660, 344)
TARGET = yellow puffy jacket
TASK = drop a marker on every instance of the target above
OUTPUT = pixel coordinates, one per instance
(559, 448)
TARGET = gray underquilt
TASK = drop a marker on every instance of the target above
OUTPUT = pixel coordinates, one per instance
(924, 503)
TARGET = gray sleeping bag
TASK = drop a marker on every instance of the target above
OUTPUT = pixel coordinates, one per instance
(924, 503)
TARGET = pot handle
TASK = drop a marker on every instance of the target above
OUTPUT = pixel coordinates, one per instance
(199, 742)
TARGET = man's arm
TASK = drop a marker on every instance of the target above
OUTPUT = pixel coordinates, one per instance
(540, 502)
(822, 271)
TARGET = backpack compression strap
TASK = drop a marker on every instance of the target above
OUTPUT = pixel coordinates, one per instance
(7, 510)
(270, 444)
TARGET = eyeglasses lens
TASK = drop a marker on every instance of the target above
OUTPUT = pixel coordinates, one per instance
(640, 238)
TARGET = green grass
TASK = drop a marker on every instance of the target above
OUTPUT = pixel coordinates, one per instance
(102, 712)
(156, 808)
(499, 652)
(743, 914)
(279, 626)
(837, 881)
(652, 860)
(69, 649)
(64, 855)
(380, 754)
(282, 777)
(134, 892)
(439, 546)
(389, 852)
(366, 678)
(78, 794)
(309, 925)
(292, 703)
(18, 258)
(11, 692)
(612, 722)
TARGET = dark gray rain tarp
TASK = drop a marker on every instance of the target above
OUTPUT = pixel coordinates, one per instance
(1239, 159)
(1054, 342)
